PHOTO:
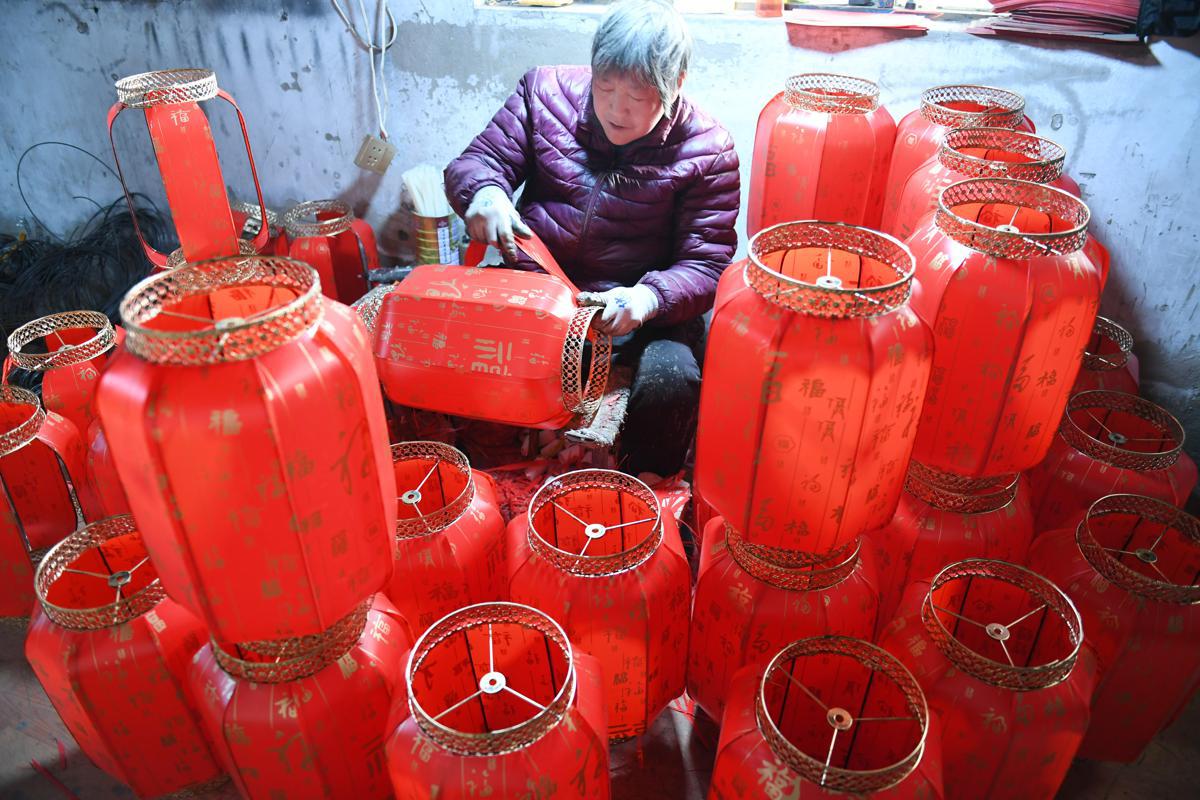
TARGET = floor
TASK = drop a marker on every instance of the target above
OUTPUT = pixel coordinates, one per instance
(40, 761)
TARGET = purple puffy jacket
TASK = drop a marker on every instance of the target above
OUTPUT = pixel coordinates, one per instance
(659, 211)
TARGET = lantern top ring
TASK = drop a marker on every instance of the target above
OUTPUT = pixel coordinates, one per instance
(1005, 675)
(1107, 330)
(831, 93)
(1110, 445)
(1008, 241)
(167, 87)
(66, 354)
(505, 740)
(821, 772)
(432, 520)
(25, 432)
(986, 106)
(258, 332)
(1045, 162)
(254, 211)
(176, 259)
(1114, 565)
(299, 224)
(960, 494)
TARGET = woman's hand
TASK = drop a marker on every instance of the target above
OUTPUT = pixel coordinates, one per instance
(626, 308)
(491, 218)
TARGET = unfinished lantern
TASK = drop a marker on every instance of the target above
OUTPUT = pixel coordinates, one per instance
(326, 235)
(1109, 361)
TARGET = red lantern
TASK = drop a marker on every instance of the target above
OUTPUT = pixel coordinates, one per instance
(945, 518)
(112, 653)
(1110, 443)
(1130, 566)
(821, 151)
(1108, 361)
(829, 716)
(449, 534)
(596, 550)
(246, 425)
(494, 344)
(341, 248)
(1011, 312)
(499, 706)
(187, 160)
(752, 600)
(306, 718)
(920, 132)
(997, 651)
(814, 379)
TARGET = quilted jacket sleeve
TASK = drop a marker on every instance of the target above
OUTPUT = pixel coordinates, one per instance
(499, 156)
(705, 240)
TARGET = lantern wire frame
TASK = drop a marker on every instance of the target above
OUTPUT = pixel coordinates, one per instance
(1095, 407)
(999, 108)
(65, 354)
(1008, 241)
(438, 519)
(1045, 157)
(831, 93)
(1105, 330)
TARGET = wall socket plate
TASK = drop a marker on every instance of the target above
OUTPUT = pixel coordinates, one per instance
(375, 154)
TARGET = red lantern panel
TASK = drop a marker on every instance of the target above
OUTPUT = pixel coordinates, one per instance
(750, 601)
(1110, 443)
(1108, 361)
(112, 654)
(821, 151)
(449, 534)
(814, 378)
(269, 504)
(1011, 310)
(944, 518)
(596, 550)
(1131, 567)
(997, 651)
(499, 706)
(326, 235)
(102, 475)
(829, 716)
(306, 717)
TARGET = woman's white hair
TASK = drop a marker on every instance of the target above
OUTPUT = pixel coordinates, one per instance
(647, 40)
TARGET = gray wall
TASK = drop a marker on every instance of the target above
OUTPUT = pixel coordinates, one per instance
(1128, 115)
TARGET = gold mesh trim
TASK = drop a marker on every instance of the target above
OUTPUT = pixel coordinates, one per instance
(367, 307)
(298, 225)
(579, 397)
(811, 92)
(1007, 109)
(227, 340)
(435, 521)
(809, 298)
(994, 673)
(16, 438)
(792, 570)
(254, 211)
(298, 657)
(1101, 362)
(1045, 164)
(960, 494)
(62, 555)
(167, 87)
(176, 260)
(506, 740)
(1110, 452)
(1002, 244)
(1119, 574)
(594, 566)
(829, 777)
(67, 354)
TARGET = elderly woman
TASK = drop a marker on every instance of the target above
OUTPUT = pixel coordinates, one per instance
(635, 192)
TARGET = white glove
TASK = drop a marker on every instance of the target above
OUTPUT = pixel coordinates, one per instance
(626, 308)
(491, 218)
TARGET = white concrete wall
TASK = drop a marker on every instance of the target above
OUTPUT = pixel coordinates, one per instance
(1128, 115)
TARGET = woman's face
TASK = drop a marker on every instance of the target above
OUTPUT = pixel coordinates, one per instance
(627, 108)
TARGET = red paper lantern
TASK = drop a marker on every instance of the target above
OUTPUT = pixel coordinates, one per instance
(997, 651)
(751, 600)
(493, 344)
(1130, 566)
(246, 425)
(1110, 443)
(821, 151)
(1011, 313)
(499, 705)
(920, 132)
(1108, 361)
(187, 161)
(112, 653)
(449, 534)
(306, 717)
(829, 716)
(340, 247)
(945, 518)
(814, 379)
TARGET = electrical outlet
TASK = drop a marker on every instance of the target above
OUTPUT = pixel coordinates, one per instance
(375, 154)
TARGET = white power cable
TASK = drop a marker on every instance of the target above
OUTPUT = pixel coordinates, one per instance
(383, 14)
